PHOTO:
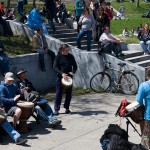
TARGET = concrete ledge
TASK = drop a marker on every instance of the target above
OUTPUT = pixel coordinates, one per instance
(89, 63)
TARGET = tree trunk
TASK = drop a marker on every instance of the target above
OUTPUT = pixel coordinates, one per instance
(137, 3)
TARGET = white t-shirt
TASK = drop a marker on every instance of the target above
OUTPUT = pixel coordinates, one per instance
(104, 38)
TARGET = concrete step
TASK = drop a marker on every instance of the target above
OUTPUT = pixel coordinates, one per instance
(83, 42)
(60, 27)
(65, 31)
(144, 63)
(138, 58)
(130, 54)
(93, 46)
(65, 35)
(72, 39)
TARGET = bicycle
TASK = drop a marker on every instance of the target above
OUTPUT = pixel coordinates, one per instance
(125, 81)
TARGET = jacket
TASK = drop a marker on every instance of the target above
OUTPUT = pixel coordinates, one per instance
(7, 94)
(34, 19)
(141, 36)
(37, 42)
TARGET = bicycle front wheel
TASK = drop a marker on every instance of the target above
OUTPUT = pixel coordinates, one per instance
(100, 82)
(129, 83)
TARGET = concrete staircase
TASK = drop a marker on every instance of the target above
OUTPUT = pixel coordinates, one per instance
(69, 36)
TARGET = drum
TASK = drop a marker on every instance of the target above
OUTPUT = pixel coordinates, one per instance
(27, 111)
(66, 84)
(135, 112)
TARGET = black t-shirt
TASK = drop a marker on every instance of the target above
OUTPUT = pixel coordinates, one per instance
(65, 64)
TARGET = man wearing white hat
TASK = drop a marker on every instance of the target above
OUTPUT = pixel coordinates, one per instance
(9, 94)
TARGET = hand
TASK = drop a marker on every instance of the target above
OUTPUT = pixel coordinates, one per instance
(71, 73)
(16, 97)
(65, 76)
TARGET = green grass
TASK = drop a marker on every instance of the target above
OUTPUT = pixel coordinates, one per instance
(17, 45)
(133, 13)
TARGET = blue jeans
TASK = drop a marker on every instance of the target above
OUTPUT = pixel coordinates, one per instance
(81, 34)
(51, 24)
(145, 46)
(41, 58)
(63, 16)
(46, 114)
(10, 130)
(20, 8)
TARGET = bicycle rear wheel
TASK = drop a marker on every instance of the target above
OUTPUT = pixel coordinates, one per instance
(100, 82)
(129, 83)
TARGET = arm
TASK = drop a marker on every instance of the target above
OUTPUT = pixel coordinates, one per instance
(80, 20)
(74, 64)
(140, 95)
(93, 22)
(6, 101)
(55, 66)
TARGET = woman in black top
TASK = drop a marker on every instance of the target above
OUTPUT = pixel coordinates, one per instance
(101, 21)
(65, 65)
(144, 37)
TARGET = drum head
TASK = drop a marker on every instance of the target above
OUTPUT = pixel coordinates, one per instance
(132, 106)
(25, 104)
(67, 82)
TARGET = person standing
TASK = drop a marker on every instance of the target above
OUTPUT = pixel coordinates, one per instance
(144, 37)
(65, 66)
(79, 8)
(51, 13)
(40, 46)
(87, 23)
(20, 7)
(101, 21)
(143, 98)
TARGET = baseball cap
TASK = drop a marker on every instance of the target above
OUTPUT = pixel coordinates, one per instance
(9, 76)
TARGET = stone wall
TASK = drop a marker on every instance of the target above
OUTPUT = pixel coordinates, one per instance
(89, 63)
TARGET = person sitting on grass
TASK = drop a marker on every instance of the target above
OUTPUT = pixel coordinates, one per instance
(110, 43)
(126, 33)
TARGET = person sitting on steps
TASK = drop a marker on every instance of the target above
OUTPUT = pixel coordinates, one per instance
(110, 43)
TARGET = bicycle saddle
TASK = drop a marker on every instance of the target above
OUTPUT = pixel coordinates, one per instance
(121, 64)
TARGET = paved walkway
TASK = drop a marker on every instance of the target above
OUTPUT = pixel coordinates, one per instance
(79, 131)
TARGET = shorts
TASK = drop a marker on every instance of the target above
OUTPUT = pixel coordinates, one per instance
(11, 111)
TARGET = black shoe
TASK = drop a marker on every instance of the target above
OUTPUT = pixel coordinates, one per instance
(55, 123)
(21, 141)
(56, 113)
(67, 111)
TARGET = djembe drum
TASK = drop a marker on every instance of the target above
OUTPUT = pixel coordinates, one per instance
(66, 84)
(135, 112)
(27, 111)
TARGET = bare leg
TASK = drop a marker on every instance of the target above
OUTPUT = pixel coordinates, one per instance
(16, 116)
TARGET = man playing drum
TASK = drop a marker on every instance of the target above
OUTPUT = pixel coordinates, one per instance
(9, 95)
(143, 98)
(42, 108)
(65, 66)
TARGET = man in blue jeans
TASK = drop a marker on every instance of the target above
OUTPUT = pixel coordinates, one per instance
(42, 108)
(10, 130)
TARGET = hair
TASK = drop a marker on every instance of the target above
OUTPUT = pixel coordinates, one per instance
(105, 28)
(98, 12)
(86, 9)
(39, 29)
(2, 3)
(146, 24)
(62, 47)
